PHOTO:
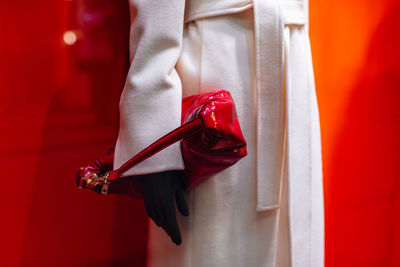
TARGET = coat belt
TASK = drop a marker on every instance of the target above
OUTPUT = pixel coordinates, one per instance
(270, 17)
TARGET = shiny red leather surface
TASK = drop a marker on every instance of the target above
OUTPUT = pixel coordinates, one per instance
(211, 140)
(220, 144)
(126, 185)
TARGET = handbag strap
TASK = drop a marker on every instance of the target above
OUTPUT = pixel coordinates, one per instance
(184, 131)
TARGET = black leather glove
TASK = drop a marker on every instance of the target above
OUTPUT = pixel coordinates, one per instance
(160, 191)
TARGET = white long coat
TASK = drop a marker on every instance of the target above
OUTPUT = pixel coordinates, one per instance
(267, 210)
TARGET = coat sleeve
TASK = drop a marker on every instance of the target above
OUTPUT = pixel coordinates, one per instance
(150, 104)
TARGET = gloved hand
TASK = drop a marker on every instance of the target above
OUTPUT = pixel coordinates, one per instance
(160, 191)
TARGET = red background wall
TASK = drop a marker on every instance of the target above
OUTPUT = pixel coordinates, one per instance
(355, 52)
(59, 110)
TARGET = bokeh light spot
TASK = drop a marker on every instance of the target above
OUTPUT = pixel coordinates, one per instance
(70, 37)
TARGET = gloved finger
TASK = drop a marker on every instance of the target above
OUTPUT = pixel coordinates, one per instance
(172, 227)
(151, 215)
(181, 202)
(159, 214)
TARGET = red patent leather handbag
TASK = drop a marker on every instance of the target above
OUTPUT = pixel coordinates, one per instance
(211, 140)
